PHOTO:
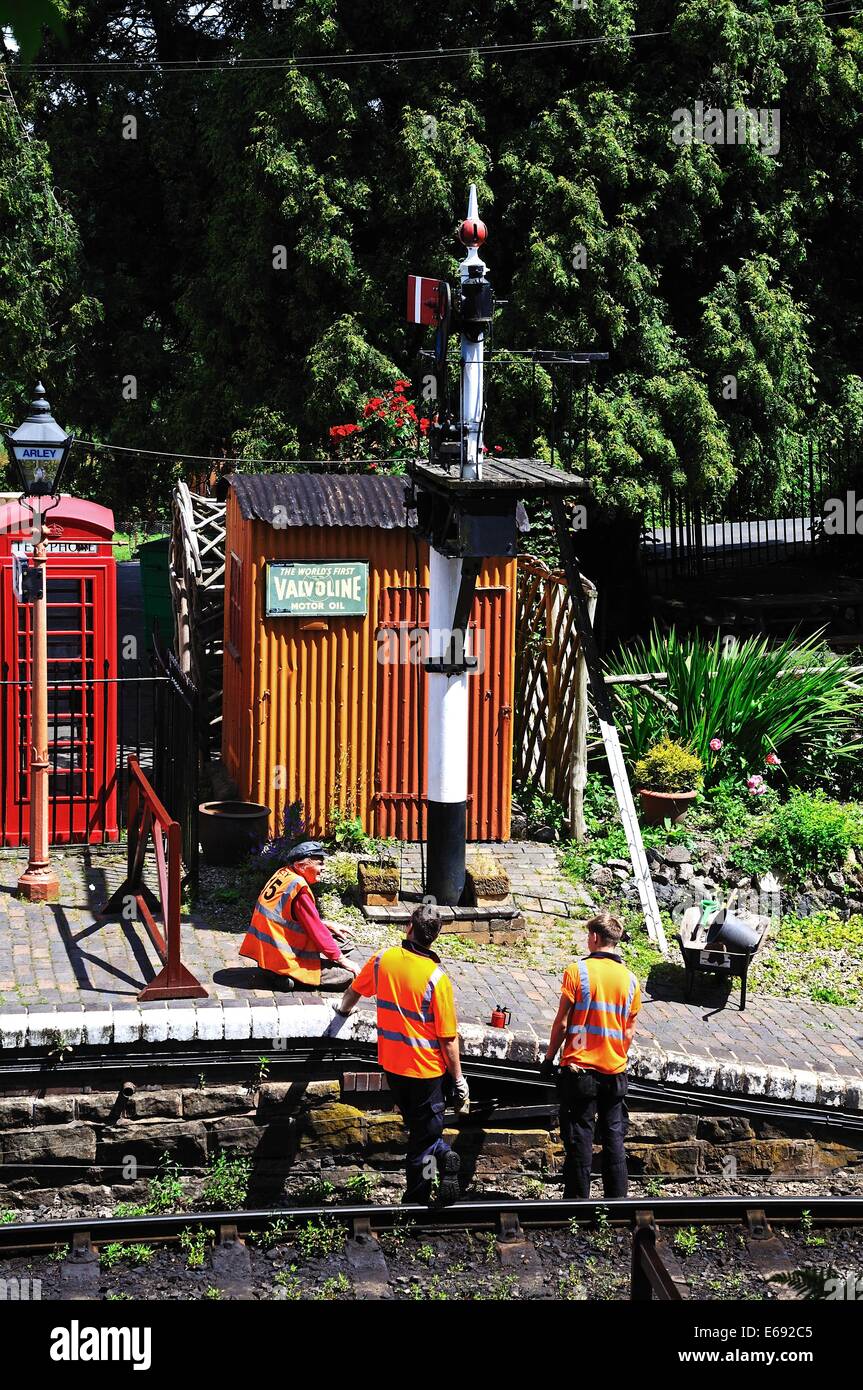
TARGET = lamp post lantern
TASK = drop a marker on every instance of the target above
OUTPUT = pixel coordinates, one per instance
(38, 451)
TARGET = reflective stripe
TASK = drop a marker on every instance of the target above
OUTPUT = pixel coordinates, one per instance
(277, 945)
(425, 1004)
(630, 996)
(425, 1043)
(377, 970)
(424, 1017)
(583, 983)
(599, 1032)
(284, 923)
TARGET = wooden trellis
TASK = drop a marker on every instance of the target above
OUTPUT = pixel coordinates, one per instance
(550, 707)
(198, 585)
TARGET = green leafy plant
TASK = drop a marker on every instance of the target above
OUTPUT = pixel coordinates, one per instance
(288, 1285)
(426, 1254)
(118, 1297)
(686, 1240)
(602, 1234)
(317, 1239)
(394, 1241)
(360, 1186)
(213, 1293)
(347, 833)
(195, 1245)
(810, 833)
(227, 1183)
(807, 1230)
(315, 1191)
(653, 1187)
(434, 1291)
(335, 1287)
(668, 767)
(164, 1192)
(116, 1251)
(569, 1283)
(7, 1218)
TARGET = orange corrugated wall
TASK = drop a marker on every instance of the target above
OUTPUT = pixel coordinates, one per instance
(300, 714)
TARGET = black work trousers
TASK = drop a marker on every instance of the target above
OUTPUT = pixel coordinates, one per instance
(593, 1101)
(421, 1102)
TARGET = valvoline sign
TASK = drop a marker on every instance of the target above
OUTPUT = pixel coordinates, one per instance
(317, 588)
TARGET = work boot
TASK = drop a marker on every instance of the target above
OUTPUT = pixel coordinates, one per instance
(281, 984)
(449, 1184)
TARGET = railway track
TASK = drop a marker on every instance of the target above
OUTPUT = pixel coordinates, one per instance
(639, 1233)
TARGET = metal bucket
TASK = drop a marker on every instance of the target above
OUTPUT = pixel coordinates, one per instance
(728, 931)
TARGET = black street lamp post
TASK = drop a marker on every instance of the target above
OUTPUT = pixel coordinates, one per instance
(38, 451)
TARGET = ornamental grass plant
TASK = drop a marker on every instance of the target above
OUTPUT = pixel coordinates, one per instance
(733, 705)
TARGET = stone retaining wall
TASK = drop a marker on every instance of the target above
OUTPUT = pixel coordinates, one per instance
(100, 1146)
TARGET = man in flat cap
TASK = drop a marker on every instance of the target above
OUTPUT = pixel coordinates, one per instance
(289, 938)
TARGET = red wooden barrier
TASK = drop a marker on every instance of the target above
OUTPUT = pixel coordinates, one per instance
(147, 817)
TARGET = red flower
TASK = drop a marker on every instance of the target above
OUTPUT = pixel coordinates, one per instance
(498, 448)
(424, 424)
(402, 385)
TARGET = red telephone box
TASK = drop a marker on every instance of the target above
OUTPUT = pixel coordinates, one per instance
(82, 670)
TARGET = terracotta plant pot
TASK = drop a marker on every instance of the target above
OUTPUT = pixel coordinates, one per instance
(229, 830)
(379, 884)
(657, 807)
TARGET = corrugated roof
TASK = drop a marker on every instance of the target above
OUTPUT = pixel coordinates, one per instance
(322, 499)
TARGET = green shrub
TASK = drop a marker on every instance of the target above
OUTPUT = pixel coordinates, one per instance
(227, 1183)
(810, 834)
(667, 767)
(347, 833)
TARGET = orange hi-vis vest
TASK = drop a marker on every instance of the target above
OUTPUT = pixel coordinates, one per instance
(275, 941)
(605, 998)
(415, 1010)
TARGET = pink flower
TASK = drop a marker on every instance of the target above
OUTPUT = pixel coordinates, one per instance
(772, 760)
(715, 744)
(756, 785)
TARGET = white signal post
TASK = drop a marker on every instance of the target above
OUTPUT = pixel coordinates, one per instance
(449, 694)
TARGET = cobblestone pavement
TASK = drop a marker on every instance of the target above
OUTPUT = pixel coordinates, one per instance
(61, 956)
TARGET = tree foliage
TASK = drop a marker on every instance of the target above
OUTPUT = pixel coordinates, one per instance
(250, 244)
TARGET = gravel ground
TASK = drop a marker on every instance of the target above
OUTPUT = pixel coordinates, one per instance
(565, 1264)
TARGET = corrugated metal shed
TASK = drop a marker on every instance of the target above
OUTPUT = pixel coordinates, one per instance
(314, 709)
(321, 499)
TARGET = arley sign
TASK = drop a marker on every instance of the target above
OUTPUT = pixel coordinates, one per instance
(317, 589)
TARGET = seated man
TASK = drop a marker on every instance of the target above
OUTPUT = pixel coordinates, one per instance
(288, 936)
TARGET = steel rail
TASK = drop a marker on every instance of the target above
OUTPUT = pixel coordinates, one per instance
(619, 1211)
(324, 1059)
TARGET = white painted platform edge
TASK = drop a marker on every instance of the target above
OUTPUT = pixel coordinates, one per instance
(272, 1024)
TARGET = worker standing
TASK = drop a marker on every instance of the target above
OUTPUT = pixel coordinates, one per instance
(417, 1047)
(595, 1023)
(289, 938)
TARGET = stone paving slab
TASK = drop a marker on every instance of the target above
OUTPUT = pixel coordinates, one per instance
(64, 972)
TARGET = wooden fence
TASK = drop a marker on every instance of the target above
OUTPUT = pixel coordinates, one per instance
(550, 706)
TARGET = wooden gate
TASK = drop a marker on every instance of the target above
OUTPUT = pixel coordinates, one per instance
(550, 715)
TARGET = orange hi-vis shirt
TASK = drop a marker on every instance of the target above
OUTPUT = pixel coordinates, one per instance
(415, 1010)
(605, 998)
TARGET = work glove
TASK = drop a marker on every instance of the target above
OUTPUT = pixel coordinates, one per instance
(462, 1097)
(547, 1070)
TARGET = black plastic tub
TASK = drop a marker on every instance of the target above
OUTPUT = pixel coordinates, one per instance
(229, 830)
